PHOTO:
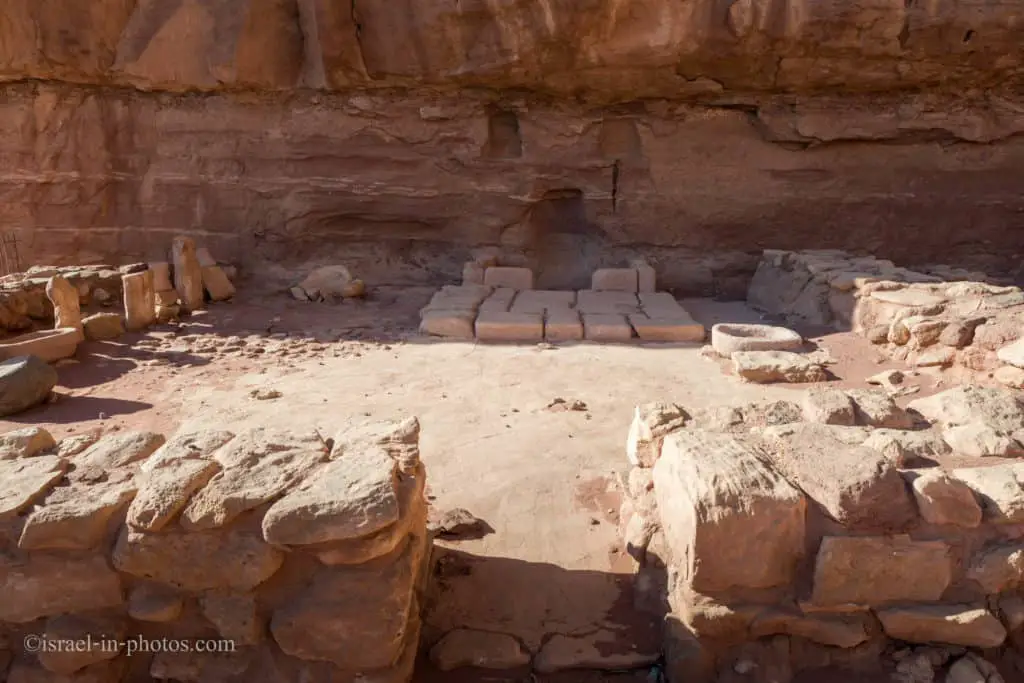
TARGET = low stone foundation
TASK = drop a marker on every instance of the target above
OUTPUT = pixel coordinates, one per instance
(836, 531)
(938, 318)
(259, 556)
(23, 301)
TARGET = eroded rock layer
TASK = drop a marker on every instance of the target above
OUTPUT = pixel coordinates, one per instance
(388, 132)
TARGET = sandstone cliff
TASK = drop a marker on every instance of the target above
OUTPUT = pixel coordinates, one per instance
(393, 131)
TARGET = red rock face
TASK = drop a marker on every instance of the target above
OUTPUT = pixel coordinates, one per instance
(396, 129)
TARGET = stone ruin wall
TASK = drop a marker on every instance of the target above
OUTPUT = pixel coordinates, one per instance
(290, 557)
(400, 136)
(785, 537)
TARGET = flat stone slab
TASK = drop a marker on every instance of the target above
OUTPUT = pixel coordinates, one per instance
(912, 298)
(678, 328)
(606, 327)
(455, 324)
(544, 300)
(590, 301)
(500, 326)
(875, 570)
(563, 325)
(766, 367)
(1012, 354)
(23, 481)
(660, 304)
(953, 624)
(500, 300)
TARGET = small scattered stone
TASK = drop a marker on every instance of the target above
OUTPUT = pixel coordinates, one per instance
(265, 394)
(456, 523)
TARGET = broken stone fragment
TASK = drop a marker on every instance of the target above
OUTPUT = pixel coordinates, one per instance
(217, 284)
(877, 409)
(350, 497)
(941, 499)
(954, 624)
(873, 570)
(234, 615)
(100, 636)
(331, 282)
(463, 647)
(828, 405)
(188, 275)
(197, 561)
(718, 498)
(764, 367)
(86, 583)
(76, 517)
(600, 650)
(998, 568)
(155, 603)
(456, 523)
(651, 423)
(366, 607)
(25, 442)
(999, 489)
(26, 480)
(66, 306)
(980, 421)
(165, 491)
(113, 452)
(831, 630)
(139, 300)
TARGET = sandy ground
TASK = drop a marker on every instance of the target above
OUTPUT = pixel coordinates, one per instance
(542, 479)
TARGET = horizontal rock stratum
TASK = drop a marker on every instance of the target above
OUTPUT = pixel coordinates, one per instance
(639, 48)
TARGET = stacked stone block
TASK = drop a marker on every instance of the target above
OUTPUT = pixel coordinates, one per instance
(939, 318)
(508, 313)
(301, 559)
(842, 530)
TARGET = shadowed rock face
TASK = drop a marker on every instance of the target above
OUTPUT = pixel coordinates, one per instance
(387, 131)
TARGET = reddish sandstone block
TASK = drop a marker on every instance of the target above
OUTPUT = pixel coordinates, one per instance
(606, 327)
(679, 328)
(504, 276)
(614, 280)
(501, 326)
(623, 303)
(500, 300)
(543, 300)
(457, 324)
(563, 325)
(660, 304)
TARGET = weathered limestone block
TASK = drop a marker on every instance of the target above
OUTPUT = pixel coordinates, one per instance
(103, 326)
(502, 300)
(858, 487)
(412, 515)
(187, 445)
(25, 442)
(26, 480)
(400, 439)
(455, 324)
(48, 585)
(608, 303)
(562, 326)
(998, 568)
(999, 489)
(511, 327)
(651, 423)
(941, 499)
(100, 636)
(188, 276)
(907, 448)
(139, 300)
(155, 603)
(76, 517)
(355, 617)
(115, 451)
(679, 328)
(234, 614)
(764, 367)
(350, 497)
(606, 327)
(878, 409)
(67, 310)
(258, 466)
(730, 520)
(464, 647)
(835, 631)
(828, 405)
(952, 624)
(165, 491)
(871, 570)
(977, 421)
(199, 560)
(615, 280)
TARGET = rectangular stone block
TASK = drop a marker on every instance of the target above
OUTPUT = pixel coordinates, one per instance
(660, 304)
(874, 570)
(614, 280)
(498, 326)
(543, 300)
(500, 300)
(680, 328)
(590, 301)
(645, 278)
(731, 521)
(563, 325)
(205, 258)
(217, 283)
(140, 300)
(452, 298)
(504, 276)
(452, 324)
(606, 327)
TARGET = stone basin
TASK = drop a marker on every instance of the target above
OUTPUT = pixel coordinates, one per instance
(47, 345)
(728, 338)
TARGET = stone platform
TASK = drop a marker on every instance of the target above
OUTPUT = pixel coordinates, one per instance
(505, 314)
